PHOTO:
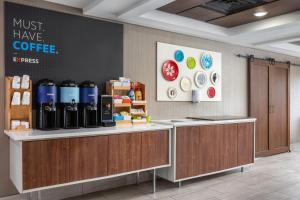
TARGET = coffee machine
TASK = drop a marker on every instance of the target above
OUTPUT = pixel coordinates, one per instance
(46, 105)
(88, 104)
(106, 115)
(69, 99)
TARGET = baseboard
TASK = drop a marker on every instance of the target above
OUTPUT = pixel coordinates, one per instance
(272, 152)
(81, 189)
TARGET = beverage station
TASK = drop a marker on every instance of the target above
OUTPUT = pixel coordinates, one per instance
(85, 127)
(73, 118)
(70, 105)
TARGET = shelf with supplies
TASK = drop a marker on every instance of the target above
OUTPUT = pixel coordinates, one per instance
(129, 101)
(18, 104)
(121, 105)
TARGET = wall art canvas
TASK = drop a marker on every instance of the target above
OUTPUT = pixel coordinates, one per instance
(183, 69)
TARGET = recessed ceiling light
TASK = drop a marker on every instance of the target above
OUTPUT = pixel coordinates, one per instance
(260, 14)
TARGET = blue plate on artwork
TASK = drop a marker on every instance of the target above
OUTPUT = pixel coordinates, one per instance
(179, 56)
(206, 61)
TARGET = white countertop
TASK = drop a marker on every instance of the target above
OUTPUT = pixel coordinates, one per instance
(156, 125)
(197, 122)
(68, 133)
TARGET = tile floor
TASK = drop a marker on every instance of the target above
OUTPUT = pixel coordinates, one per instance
(272, 178)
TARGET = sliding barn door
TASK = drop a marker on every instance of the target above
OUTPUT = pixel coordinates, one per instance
(269, 104)
(278, 104)
(259, 102)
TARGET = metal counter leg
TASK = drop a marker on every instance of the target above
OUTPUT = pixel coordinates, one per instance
(154, 180)
(138, 178)
(39, 195)
(179, 184)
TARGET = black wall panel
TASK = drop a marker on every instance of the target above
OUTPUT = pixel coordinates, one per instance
(82, 48)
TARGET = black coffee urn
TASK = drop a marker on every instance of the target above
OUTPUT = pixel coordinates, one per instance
(88, 104)
(46, 105)
(69, 100)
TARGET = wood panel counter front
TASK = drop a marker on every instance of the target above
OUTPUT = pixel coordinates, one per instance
(205, 147)
(58, 161)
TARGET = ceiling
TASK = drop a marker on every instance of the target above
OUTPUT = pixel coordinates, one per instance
(230, 13)
(278, 31)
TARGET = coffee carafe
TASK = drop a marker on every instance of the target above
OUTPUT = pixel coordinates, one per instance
(46, 105)
(69, 99)
(88, 104)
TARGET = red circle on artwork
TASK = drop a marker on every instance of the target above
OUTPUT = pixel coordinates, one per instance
(211, 92)
(170, 70)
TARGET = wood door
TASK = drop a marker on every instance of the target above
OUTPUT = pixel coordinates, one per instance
(278, 101)
(155, 148)
(88, 157)
(228, 146)
(259, 102)
(45, 163)
(188, 155)
(245, 143)
(124, 153)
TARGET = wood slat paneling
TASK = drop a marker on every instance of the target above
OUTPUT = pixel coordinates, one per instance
(181, 5)
(275, 8)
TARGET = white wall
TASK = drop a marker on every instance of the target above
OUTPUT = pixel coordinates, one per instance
(295, 104)
(140, 64)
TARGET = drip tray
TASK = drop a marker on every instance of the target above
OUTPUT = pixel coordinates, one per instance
(218, 118)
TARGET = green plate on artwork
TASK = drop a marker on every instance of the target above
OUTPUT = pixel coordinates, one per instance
(191, 62)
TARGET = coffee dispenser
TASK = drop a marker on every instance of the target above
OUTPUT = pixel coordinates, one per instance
(69, 99)
(88, 104)
(46, 105)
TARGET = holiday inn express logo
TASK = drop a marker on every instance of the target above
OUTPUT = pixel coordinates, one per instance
(28, 41)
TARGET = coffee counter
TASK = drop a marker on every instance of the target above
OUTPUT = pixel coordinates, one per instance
(175, 150)
(46, 159)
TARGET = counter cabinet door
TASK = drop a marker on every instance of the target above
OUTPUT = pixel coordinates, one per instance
(188, 152)
(218, 147)
(228, 146)
(45, 163)
(124, 153)
(245, 143)
(205, 149)
(155, 149)
(88, 157)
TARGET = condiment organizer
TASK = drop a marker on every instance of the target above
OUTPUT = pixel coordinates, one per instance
(17, 112)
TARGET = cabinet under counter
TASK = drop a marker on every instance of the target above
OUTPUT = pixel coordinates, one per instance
(42, 161)
(201, 147)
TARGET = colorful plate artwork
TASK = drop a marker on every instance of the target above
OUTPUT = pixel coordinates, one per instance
(215, 78)
(179, 56)
(170, 70)
(172, 93)
(200, 79)
(206, 61)
(191, 62)
(186, 84)
(211, 92)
